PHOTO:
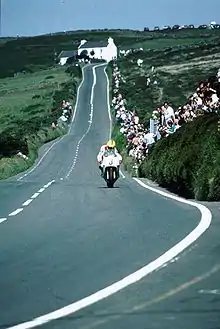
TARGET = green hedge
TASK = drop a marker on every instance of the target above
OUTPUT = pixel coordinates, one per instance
(188, 162)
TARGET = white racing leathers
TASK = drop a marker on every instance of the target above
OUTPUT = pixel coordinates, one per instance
(101, 155)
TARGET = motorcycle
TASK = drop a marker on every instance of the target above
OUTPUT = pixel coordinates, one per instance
(110, 169)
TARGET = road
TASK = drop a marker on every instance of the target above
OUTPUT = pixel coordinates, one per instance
(68, 237)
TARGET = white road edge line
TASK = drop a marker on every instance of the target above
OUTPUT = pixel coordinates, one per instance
(90, 121)
(15, 212)
(2, 220)
(206, 218)
(59, 140)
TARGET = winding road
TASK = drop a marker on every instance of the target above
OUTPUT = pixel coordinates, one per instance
(74, 254)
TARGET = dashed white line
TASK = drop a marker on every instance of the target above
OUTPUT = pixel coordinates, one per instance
(15, 212)
(59, 140)
(48, 184)
(41, 190)
(89, 121)
(35, 195)
(214, 291)
(136, 276)
(26, 203)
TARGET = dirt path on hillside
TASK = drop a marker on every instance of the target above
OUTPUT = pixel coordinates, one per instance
(206, 61)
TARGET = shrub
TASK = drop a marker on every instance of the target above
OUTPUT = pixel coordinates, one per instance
(119, 138)
(188, 162)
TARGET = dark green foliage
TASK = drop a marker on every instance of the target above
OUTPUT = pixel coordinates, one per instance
(68, 91)
(74, 71)
(49, 77)
(188, 162)
(10, 144)
(119, 138)
(36, 97)
(30, 108)
(96, 60)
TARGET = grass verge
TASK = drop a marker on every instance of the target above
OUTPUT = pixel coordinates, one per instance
(29, 104)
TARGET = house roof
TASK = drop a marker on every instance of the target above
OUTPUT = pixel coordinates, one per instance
(94, 44)
(67, 53)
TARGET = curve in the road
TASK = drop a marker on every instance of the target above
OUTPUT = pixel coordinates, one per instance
(45, 186)
(136, 276)
(72, 166)
(70, 127)
(90, 121)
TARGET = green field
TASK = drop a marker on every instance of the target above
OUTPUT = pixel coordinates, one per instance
(163, 43)
(29, 95)
(29, 103)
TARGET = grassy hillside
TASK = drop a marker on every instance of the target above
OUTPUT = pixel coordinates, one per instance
(31, 84)
(28, 96)
(29, 103)
(187, 162)
(178, 70)
(32, 53)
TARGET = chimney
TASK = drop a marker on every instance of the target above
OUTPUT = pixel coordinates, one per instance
(82, 42)
(110, 40)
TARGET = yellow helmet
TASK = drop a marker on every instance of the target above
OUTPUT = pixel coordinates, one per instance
(111, 143)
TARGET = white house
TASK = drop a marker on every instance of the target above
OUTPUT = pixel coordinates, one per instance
(64, 55)
(106, 50)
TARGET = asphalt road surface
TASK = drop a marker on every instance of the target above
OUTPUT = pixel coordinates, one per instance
(65, 236)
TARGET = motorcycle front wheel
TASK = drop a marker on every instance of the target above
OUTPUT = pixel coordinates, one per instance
(110, 185)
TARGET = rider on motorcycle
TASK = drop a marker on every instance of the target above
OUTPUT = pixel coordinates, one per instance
(110, 146)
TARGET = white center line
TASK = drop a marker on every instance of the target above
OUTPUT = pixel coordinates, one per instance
(89, 121)
(35, 195)
(41, 190)
(26, 203)
(15, 212)
(48, 184)
(59, 140)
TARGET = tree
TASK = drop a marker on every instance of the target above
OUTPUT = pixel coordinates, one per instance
(84, 53)
(71, 60)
